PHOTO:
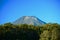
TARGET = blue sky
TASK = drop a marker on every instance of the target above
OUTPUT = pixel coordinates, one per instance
(46, 10)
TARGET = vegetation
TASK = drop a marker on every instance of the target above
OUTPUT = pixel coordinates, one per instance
(49, 31)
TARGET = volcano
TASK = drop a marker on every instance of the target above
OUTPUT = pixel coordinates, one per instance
(30, 20)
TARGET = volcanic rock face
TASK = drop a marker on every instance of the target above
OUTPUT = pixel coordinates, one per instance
(29, 20)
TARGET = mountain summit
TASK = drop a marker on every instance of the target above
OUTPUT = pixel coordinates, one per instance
(29, 20)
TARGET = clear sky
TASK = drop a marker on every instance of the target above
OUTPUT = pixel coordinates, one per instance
(46, 10)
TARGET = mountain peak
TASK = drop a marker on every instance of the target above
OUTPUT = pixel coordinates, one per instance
(28, 16)
(29, 20)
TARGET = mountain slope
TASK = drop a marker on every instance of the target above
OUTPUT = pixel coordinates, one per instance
(29, 20)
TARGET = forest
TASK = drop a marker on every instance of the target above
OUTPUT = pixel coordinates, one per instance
(49, 31)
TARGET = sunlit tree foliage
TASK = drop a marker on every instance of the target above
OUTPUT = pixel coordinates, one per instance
(50, 31)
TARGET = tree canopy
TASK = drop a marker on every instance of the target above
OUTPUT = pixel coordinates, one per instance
(49, 31)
